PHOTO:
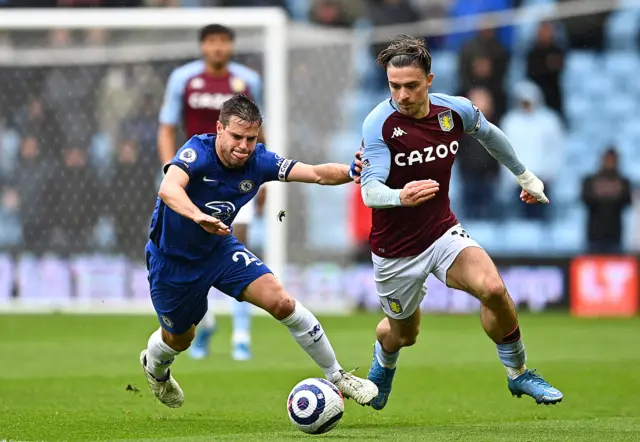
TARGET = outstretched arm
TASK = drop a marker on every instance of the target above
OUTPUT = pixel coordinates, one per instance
(328, 174)
(499, 146)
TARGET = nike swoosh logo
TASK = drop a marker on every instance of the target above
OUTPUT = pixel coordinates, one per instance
(207, 180)
(318, 338)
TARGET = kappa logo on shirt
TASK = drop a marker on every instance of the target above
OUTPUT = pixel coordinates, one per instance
(397, 132)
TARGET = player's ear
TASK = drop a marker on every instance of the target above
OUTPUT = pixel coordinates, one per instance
(429, 80)
(219, 127)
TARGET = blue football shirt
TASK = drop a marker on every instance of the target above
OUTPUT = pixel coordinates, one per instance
(216, 190)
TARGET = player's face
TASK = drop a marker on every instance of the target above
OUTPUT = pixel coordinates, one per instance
(409, 88)
(236, 142)
(216, 50)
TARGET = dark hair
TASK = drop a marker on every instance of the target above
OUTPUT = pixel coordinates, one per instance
(215, 30)
(405, 50)
(611, 151)
(242, 107)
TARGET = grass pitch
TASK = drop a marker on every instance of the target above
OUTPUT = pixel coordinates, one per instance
(66, 377)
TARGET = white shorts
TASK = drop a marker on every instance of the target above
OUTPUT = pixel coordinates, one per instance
(400, 282)
(246, 214)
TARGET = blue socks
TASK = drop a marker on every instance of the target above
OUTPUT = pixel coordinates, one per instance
(511, 353)
(241, 322)
(386, 359)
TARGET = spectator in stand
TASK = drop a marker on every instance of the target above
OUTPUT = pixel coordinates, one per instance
(479, 171)
(384, 13)
(336, 13)
(545, 62)
(469, 10)
(483, 63)
(33, 120)
(539, 135)
(585, 31)
(28, 188)
(607, 194)
(141, 126)
(134, 178)
(76, 203)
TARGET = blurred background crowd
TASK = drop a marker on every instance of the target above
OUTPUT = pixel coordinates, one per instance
(79, 165)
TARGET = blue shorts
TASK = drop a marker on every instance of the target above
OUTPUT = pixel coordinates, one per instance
(179, 287)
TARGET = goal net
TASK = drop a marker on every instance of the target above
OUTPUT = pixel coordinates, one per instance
(80, 93)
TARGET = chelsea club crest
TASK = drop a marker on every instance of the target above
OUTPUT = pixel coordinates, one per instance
(246, 186)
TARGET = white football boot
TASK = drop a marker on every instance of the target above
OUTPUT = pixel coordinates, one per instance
(168, 392)
(363, 391)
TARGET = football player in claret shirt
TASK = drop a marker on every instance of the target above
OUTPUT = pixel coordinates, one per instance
(410, 144)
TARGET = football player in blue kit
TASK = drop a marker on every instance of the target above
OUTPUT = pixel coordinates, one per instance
(191, 248)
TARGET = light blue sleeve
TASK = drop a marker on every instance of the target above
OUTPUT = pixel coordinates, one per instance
(192, 157)
(473, 121)
(173, 102)
(498, 145)
(376, 161)
(489, 135)
(253, 80)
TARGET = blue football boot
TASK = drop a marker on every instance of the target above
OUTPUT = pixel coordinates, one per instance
(533, 385)
(383, 378)
(200, 347)
(241, 351)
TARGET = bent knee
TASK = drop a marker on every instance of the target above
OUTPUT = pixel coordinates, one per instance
(409, 338)
(180, 345)
(283, 306)
(180, 342)
(492, 290)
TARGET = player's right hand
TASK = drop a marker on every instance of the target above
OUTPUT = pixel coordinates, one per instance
(417, 192)
(211, 224)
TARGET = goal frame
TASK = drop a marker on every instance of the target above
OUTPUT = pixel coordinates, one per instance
(274, 22)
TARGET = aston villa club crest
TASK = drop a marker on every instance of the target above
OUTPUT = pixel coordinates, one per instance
(394, 305)
(446, 120)
(238, 84)
(197, 83)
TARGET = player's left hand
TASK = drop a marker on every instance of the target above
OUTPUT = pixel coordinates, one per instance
(527, 198)
(356, 168)
(532, 189)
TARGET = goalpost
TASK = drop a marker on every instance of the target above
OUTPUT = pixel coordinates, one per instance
(82, 88)
(271, 22)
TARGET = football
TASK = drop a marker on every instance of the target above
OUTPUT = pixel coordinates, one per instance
(315, 406)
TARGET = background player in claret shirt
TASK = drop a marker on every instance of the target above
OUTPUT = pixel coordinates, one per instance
(194, 96)
(190, 248)
(410, 143)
